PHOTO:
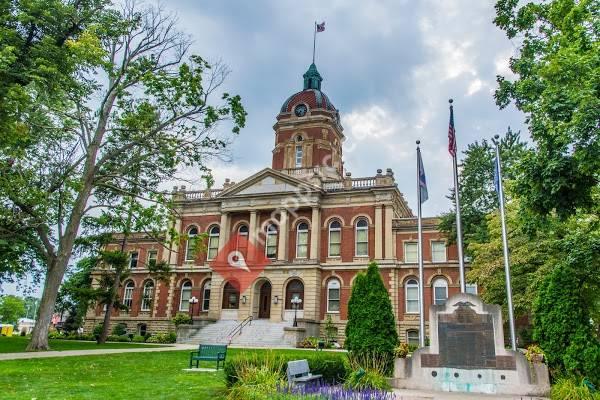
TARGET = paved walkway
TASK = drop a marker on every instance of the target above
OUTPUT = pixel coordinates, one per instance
(72, 353)
(404, 394)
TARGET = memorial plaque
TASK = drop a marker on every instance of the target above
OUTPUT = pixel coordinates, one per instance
(466, 339)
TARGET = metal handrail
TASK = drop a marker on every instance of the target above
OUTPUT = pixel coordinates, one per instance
(238, 328)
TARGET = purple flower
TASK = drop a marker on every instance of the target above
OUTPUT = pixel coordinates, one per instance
(336, 392)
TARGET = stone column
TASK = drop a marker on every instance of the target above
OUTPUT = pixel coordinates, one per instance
(174, 248)
(378, 232)
(283, 234)
(170, 296)
(224, 236)
(252, 234)
(315, 233)
(389, 236)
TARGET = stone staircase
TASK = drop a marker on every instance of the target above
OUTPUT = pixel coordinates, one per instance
(258, 333)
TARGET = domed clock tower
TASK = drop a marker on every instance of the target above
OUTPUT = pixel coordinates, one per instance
(308, 133)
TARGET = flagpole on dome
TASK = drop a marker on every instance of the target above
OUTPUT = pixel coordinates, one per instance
(500, 191)
(422, 196)
(459, 238)
(318, 28)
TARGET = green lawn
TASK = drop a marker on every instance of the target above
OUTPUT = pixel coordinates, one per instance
(155, 375)
(18, 344)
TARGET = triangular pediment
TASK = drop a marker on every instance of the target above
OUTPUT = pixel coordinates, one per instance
(269, 181)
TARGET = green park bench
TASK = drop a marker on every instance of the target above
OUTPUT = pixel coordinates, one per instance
(209, 352)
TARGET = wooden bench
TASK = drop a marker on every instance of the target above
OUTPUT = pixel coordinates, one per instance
(298, 372)
(209, 352)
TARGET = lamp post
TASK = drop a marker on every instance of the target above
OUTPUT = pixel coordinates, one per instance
(193, 300)
(296, 301)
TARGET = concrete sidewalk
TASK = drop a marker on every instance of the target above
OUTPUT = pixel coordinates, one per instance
(74, 353)
(405, 394)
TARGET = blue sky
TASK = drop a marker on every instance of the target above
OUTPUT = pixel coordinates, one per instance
(388, 66)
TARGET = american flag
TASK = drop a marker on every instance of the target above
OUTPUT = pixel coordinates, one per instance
(321, 27)
(451, 133)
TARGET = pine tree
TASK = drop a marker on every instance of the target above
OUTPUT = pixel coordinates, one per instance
(371, 327)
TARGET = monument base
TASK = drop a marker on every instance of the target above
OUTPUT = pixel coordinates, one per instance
(467, 354)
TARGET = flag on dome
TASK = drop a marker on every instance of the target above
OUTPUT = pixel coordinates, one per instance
(321, 27)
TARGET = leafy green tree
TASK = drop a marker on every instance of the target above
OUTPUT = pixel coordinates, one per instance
(138, 107)
(565, 302)
(557, 86)
(11, 309)
(477, 193)
(76, 293)
(371, 327)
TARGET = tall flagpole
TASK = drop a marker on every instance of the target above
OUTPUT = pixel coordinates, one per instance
(511, 317)
(314, 41)
(420, 252)
(459, 239)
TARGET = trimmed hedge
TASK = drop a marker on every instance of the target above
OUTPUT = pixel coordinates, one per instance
(170, 337)
(333, 366)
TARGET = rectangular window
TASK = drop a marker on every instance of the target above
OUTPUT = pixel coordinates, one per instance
(412, 299)
(152, 258)
(333, 300)
(471, 288)
(334, 243)
(362, 242)
(206, 297)
(410, 252)
(438, 251)
(302, 246)
(299, 156)
(147, 298)
(133, 259)
(213, 247)
(271, 246)
(128, 296)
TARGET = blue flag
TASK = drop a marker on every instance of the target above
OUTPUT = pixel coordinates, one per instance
(422, 181)
(496, 176)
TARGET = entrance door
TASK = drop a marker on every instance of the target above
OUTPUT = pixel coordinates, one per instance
(264, 310)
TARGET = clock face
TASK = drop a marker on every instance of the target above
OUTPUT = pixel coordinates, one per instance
(300, 110)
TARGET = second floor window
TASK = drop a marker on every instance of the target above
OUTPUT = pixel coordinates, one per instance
(271, 241)
(438, 251)
(362, 238)
(335, 238)
(302, 240)
(133, 259)
(410, 252)
(440, 291)
(213, 242)
(186, 294)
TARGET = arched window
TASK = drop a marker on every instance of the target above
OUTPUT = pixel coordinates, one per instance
(213, 242)
(231, 297)
(411, 294)
(147, 296)
(362, 238)
(333, 296)
(128, 295)
(302, 240)
(271, 242)
(241, 243)
(186, 293)
(294, 290)
(335, 238)
(206, 295)
(190, 245)
(440, 291)
(412, 337)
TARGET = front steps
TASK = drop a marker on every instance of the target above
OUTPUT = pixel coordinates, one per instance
(258, 333)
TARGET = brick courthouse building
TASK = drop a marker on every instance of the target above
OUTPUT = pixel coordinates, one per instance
(318, 225)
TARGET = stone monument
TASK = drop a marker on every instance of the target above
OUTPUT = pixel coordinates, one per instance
(467, 354)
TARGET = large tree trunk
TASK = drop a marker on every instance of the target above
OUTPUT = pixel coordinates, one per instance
(54, 276)
(109, 308)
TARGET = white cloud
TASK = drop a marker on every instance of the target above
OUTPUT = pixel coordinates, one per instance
(373, 122)
(474, 87)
